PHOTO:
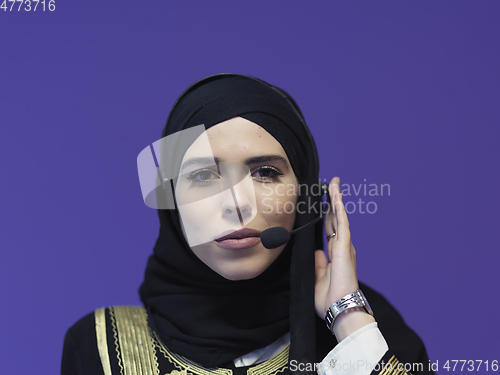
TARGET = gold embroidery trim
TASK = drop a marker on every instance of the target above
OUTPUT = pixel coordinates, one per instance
(184, 364)
(272, 366)
(115, 338)
(136, 344)
(393, 368)
(102, 344)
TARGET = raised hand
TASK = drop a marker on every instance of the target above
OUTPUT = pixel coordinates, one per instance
(337, 276)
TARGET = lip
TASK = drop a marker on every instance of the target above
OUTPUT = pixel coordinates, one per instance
(240, 239)
(238, 234)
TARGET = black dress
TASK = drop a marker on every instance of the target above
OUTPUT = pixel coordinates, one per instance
(118, 340)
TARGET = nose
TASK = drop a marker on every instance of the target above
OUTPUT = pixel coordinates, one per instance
(238, 205)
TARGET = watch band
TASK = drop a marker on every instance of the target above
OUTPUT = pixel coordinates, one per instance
(355, 299)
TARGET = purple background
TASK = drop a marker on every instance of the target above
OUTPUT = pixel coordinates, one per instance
(397, 92)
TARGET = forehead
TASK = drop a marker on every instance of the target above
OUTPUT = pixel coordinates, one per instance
(236, 139)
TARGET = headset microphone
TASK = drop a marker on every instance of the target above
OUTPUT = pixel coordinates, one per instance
(277, 236)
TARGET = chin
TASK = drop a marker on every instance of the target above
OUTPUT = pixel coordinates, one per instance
(240, 276)
(240, 271)
(237, 265)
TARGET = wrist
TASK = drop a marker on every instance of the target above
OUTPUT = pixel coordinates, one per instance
(350, 321)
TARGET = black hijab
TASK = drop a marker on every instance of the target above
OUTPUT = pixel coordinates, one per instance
(198, 313)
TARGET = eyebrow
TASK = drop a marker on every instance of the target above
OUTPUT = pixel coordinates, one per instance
(265, 158)
(251, 160)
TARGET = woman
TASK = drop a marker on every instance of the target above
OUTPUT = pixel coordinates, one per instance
(215, 299)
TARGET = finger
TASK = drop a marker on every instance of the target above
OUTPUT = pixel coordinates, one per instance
(334, 189)
(330, 221)
(343, 232)
(321, 264)
(340, 213)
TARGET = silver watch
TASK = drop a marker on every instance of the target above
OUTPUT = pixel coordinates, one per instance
(355, 299)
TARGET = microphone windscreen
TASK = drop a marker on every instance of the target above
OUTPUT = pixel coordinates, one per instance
(274, 237)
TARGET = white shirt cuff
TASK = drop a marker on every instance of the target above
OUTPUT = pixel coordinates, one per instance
(358, 354)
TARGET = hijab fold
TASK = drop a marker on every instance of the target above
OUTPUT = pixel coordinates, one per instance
(200, 314)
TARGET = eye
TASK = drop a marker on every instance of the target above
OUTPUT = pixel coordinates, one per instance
(203, 177)
(266, 173)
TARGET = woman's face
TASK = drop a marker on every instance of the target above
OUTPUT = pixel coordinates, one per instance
(236, 181)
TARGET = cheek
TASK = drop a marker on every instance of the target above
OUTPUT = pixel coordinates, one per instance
(277, 204)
